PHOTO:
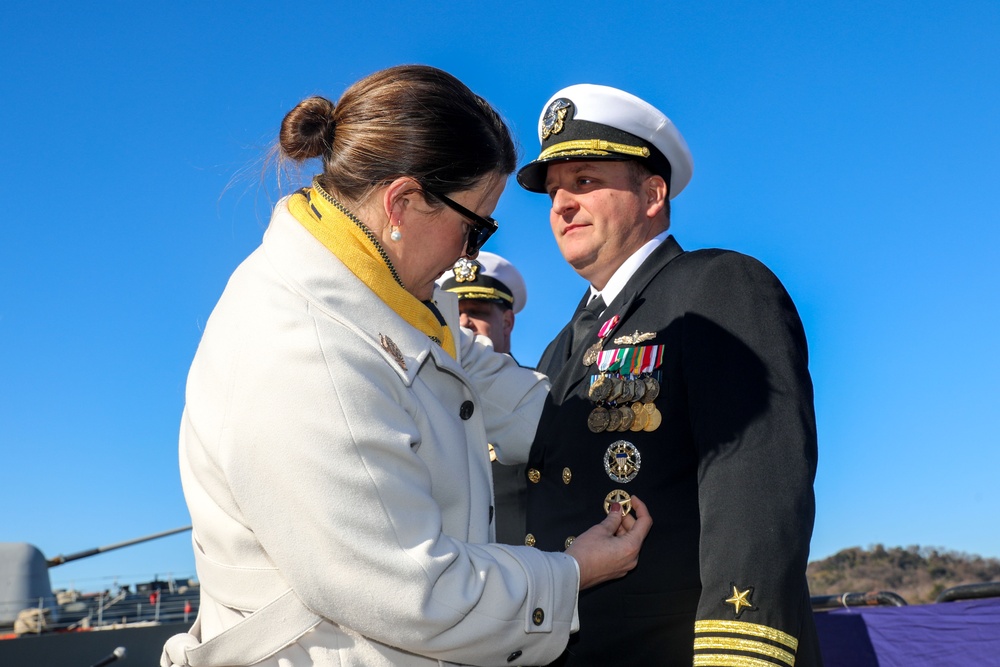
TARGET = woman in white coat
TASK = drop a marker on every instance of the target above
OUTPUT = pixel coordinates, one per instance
(333, 447)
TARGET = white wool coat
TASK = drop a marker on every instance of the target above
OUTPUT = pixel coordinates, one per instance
(350, 492)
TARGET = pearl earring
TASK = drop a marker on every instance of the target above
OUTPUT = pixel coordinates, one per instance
(396, 234)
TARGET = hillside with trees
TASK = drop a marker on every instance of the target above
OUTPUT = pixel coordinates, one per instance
(918, 574)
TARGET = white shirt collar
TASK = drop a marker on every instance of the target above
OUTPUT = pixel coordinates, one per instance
(628, 269)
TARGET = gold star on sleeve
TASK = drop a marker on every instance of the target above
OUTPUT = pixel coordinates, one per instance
(740, 599)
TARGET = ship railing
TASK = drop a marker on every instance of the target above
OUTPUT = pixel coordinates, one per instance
(105, 610)
(870, 599)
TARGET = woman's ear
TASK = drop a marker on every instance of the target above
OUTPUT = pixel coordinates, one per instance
(397, 197)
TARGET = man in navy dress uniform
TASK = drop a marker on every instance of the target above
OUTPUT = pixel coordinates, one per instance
(682, 379)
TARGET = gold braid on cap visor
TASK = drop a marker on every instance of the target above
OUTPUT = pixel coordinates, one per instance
(592, 147)
(481, 293)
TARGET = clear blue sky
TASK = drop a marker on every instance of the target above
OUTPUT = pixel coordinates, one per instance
(852, 147)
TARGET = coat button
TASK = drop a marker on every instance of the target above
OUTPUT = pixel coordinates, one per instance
(513, 656)
(537, 616)
(529, 540)
(569, 540)
(534, 476)
(567, 475)
(466, 410)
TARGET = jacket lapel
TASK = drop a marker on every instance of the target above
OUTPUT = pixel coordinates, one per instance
(572, 372)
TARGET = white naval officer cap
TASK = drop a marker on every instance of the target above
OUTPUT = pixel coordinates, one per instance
(489, 277)
(591, 122)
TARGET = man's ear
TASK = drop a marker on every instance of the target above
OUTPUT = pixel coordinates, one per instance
(508, 321)
(656, 192)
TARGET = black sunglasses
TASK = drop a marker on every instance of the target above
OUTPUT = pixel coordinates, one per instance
(480, 231)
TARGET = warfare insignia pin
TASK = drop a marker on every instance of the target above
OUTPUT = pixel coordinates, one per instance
(466, 270)
(622, 460)
(555, 117)
(740, 600)
(389, 346)
(635, 339)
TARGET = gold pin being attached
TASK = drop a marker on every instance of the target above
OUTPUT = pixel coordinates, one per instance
(620, 497)
(389, 346)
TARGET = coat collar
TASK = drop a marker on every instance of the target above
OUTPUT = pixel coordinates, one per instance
(327, 284)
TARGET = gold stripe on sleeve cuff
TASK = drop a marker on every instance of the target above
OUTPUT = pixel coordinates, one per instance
(746, 646)
(723, 660)
(748, 629)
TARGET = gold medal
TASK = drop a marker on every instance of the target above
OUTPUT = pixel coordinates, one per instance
(641, 417)
(597, 421)
(614, 419)
(620, 497)
(627, 418)
(600, 389)
(652, 389)
(590, 356)
(654, 421)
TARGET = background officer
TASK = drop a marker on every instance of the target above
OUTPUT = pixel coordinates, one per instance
(490, 293)
(682, 378)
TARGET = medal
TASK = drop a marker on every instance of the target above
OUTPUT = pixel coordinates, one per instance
(638, 389)
(652, 388)
(628, 391)
(614, 419)
(627, 418)
(616, 388)
(622, 461)
(592, 352)
(641, 417)
(600, 389)
(655, 417)
(598, 419)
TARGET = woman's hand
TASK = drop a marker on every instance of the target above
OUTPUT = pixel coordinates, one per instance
(610, 549)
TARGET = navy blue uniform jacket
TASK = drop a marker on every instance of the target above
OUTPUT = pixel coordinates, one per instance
(727, 476)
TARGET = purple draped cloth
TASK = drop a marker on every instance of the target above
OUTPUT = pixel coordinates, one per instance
(966, 632)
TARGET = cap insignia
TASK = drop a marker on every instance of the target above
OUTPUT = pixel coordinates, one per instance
(390, 346)
(466, 270)
(740, 600)
(555, 117)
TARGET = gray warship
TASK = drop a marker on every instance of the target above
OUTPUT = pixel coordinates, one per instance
(40, 627)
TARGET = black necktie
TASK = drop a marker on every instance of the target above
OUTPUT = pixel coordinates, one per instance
(584, 321)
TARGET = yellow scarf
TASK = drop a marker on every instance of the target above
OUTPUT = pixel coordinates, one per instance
(356, 246)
